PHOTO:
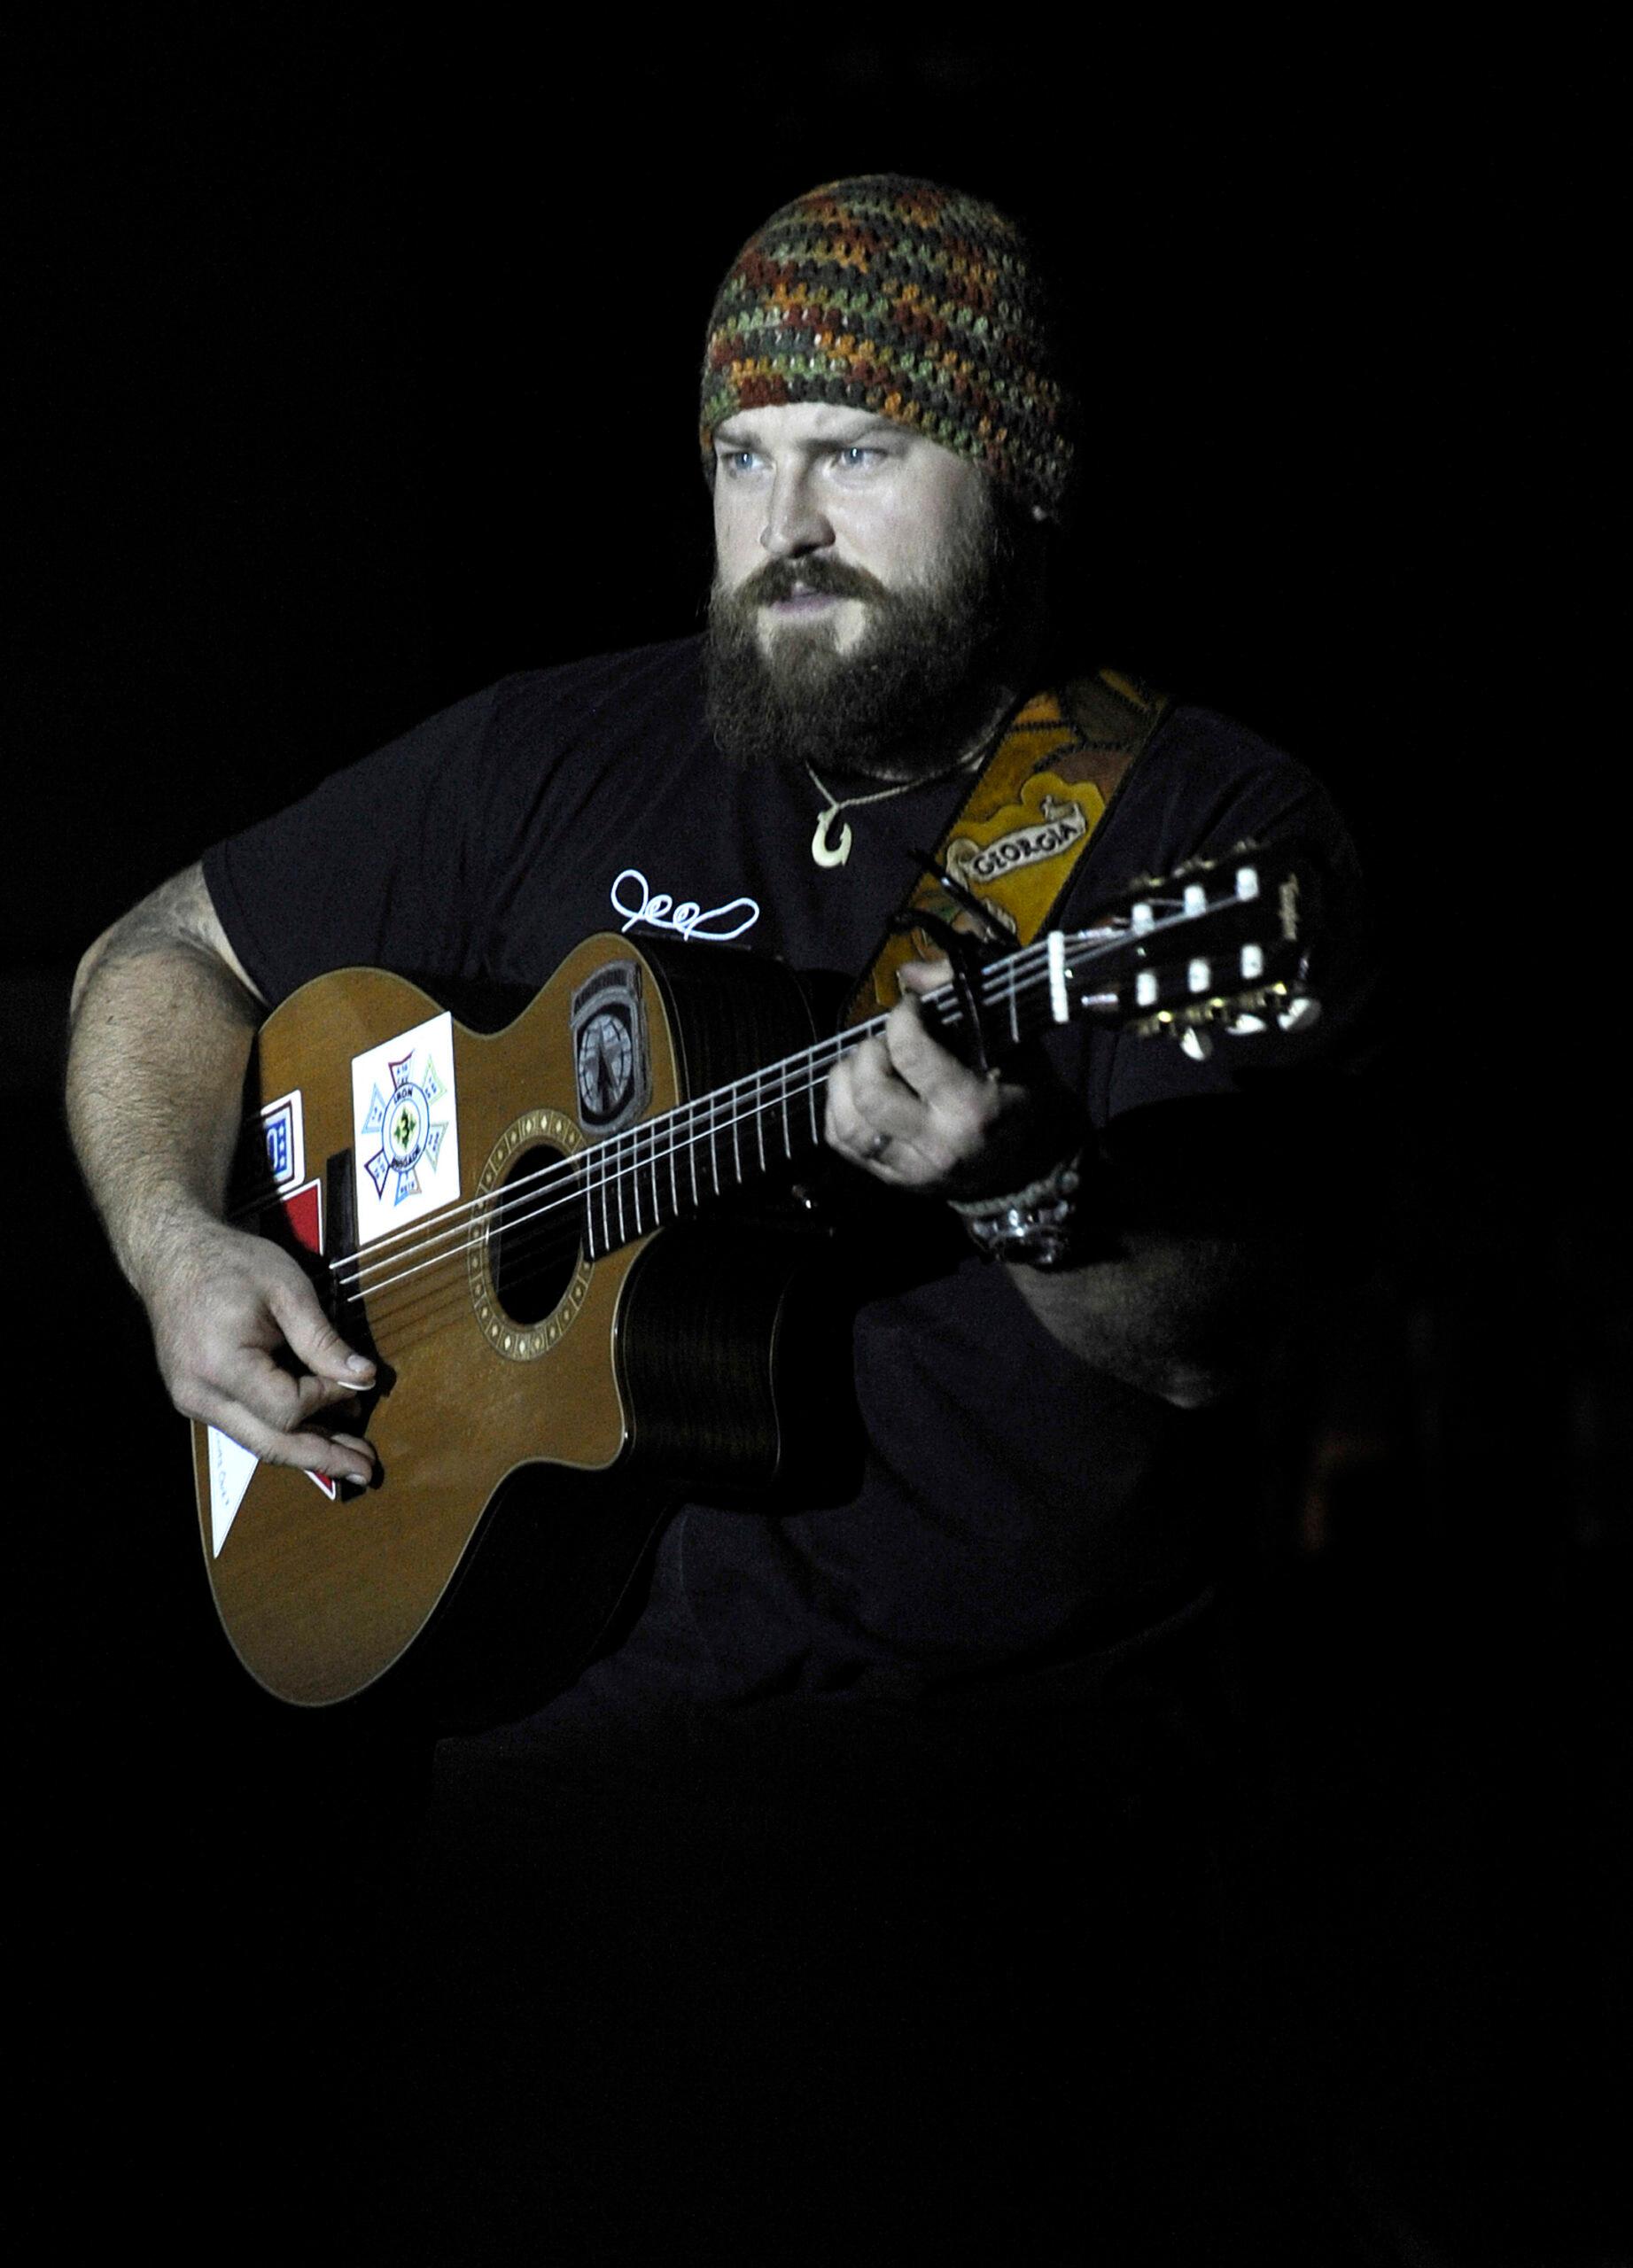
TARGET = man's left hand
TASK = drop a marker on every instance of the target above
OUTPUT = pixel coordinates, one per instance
(906, 1110)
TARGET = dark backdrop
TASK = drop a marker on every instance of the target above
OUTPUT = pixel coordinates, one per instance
(359, 369)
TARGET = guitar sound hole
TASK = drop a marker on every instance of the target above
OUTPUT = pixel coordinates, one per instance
(533, 1246)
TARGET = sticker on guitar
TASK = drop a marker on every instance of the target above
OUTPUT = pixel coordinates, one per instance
(405, 1130)
(284, 1125)
(294, 1219)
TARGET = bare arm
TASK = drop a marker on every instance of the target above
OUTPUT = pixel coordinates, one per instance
(1179, 1314)
(1176, 1311)
(163, 1015)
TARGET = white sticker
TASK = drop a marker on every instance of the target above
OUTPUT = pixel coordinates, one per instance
(283, 1124)
(405, 1134)
(297, 1215)
(230, 1467)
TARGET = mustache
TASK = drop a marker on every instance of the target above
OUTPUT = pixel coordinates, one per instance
(781, 579)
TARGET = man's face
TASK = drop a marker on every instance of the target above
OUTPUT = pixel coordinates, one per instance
(808, 497)
(855, 573)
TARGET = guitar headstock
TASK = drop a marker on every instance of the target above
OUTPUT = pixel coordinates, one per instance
(1221, 943)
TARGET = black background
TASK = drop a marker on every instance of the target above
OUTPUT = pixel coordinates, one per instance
(359, 368)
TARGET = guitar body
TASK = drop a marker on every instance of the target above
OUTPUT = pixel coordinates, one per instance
(625, 1376)
(512, 1227)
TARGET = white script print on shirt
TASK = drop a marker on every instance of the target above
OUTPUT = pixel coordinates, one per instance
(633, 898)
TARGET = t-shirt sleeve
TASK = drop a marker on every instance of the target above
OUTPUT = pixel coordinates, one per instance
(383, 866)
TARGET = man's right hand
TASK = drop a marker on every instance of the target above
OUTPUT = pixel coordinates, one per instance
(244, 1345)
(164, 1012)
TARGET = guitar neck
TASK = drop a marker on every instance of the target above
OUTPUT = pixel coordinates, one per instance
(1219, 944)
(670, 1167)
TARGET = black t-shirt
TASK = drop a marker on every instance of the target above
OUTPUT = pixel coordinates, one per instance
(1011, 1495)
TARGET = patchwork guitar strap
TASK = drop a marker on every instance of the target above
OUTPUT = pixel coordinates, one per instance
(1024, 828)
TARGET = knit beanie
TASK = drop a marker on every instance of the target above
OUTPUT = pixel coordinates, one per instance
(915, 302)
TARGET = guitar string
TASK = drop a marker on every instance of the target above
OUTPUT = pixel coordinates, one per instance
(565, 1168)
(567, 1188)
(644, 1152)
(648, 1135)
(800, 1075)
(624, 1159)
(601, 1171)
(945, 999)
(399, 1313)
(427, 1301)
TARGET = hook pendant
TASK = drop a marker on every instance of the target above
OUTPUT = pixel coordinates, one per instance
(827, 853)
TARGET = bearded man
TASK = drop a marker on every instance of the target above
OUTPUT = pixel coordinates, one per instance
(998, 1628)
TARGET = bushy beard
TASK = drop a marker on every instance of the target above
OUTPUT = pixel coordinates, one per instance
(902, 702)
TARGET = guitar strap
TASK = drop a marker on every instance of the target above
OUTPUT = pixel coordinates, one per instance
(1025, 825)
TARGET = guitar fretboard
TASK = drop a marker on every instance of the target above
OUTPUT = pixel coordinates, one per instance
(1224, 952)
(667, 1169)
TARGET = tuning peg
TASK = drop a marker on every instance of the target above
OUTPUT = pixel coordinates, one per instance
(1301, 1010)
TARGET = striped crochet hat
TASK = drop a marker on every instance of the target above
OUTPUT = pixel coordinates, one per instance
(899, 297)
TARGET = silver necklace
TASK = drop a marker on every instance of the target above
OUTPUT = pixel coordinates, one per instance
(829, 853)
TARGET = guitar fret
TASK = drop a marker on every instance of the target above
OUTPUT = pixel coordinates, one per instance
(736, 1139)
(634, 1174)
(674, 1187)
(811, 1094)
(1015, 1005)
(691, 1153)
(618, 1186)
(787, 1146)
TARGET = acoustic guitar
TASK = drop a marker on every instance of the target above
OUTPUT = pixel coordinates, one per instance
(574, 1244)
